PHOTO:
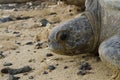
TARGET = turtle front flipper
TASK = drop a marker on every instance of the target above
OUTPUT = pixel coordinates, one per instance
(109, 52)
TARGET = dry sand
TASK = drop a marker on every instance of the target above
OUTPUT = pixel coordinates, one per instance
(30, 31)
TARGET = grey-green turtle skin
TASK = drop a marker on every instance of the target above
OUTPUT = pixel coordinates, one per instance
(109, 52)
(103, 23)
(72, 37)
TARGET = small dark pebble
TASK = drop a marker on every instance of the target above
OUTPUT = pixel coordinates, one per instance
(51, 67)
(44, 59)
(71, 61)
(71, 14)
(29, 43)
(12, 77)
(81, 72)
(45, 72)
(1, 54)
(70, 10)
(5, 70)
(38, 45)
(34, 51)
(31, 77)
(6, 19)
(16, 32)
(83, 56)
(28, 50)
(17, 42)
(31, 60)
(44, 22)
(65, 67)
(17, 51)
(13, 48)
(22, 18)
(57, 64)
(85, 66)
(53, 13)
(16, 71)
(7, 64)
(49, 55)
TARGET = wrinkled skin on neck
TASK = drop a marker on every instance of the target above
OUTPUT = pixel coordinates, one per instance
(72, 37)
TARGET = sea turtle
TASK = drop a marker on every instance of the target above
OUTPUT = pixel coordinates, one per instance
(98, 28)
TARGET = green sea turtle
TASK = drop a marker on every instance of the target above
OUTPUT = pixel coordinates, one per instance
(98, 28)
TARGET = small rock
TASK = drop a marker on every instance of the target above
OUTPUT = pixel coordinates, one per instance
(81, 72)
(31, 60)
(51, 67)
(7, 64)
(16, 32)
(16, 71)
(65, 67)
(12, 77)
(45, 72)
(17, 51)
(57, 65)
(49, 55)
(5, 70)
(34, 51)
(53, 13)
(28, 50)
(38, 45)
(44, 22)
(1, 54)
(29, 43)
(85, 66)
(18, 43)
(22, 18)
(31, 77)
(6, 19)
(83, 56)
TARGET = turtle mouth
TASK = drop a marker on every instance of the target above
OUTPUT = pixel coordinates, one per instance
(69, 52)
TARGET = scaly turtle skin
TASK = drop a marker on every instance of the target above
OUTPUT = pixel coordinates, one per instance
(98, 26)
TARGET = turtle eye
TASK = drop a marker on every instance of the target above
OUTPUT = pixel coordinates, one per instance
(62, 35)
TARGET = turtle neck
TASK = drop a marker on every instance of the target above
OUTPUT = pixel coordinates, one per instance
(93, 22)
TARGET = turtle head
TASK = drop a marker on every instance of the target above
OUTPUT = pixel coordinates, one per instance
(72, 37)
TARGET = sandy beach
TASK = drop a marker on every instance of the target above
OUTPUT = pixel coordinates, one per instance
(23, 42)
